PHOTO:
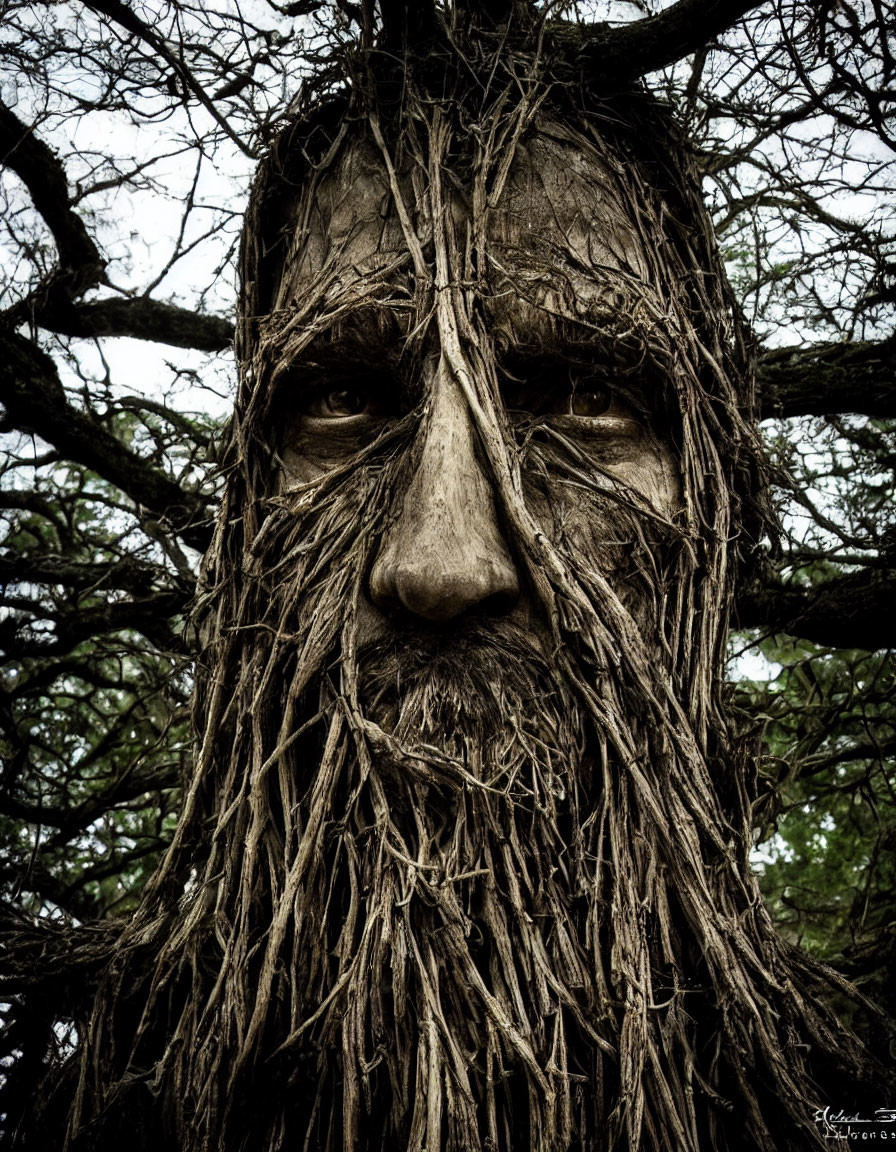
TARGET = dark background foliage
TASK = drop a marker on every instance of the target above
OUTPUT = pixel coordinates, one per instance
(128, 135)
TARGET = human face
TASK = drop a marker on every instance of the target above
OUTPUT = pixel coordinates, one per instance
(562, 340)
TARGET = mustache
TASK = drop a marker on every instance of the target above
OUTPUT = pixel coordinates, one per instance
(480, 703)
(477, 664)
(470, 643)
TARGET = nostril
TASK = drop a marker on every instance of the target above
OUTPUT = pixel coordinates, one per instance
(381, 588)
(499, 603)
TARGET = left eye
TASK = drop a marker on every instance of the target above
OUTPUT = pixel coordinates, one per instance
(343, 403)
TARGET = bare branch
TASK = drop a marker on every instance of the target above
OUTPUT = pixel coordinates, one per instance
(829, 378)
(853, 611)
(34, 399)
(40, 170)
(624, 53)
(140, 317)
(120, 14)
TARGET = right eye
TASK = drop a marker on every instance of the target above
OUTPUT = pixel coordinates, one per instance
(344, 403)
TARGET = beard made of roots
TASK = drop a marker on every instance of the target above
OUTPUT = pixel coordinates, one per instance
(462, 961)
(476, 905)
(464, 937)
(459, 957)
(472, 930)
(473, 1014)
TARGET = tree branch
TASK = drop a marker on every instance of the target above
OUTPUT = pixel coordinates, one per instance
(853, 611)
(44, 952)
(151, 616)
(40, 170)
(71, 820)
(827, 379)
(124, 16)
(81, 266)
(141, 318)
(624, 53)
(126, 574)
(34, 399)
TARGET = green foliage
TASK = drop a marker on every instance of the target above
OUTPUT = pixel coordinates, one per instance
(826, 823)
(95, 687)
(828, 827)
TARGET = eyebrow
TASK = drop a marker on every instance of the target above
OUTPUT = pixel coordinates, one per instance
(614, 335)
(348, 341)
(619, 315)
(629, 345)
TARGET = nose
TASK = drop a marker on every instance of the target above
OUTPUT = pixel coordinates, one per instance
(445, 554)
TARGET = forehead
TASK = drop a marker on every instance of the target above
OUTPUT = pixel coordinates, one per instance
(566, 201)
(563, 238)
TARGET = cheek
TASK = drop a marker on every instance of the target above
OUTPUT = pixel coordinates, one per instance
(296, 466)
(297, 469)
(654, 476)
(590, 513)
(305, 458)
(598, 531)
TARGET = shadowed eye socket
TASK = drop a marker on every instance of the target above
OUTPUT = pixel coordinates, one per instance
(343, 403)
(364, 396)
(543, 391)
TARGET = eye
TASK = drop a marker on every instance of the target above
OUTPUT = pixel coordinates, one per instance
(548, 388)
(589, 401)
(344, 403)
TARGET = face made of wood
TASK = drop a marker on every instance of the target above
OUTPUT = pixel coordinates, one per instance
(557, 327)
(487, 865)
